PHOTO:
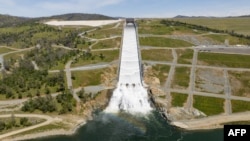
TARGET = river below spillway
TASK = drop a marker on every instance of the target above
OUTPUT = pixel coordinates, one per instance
(125, 127)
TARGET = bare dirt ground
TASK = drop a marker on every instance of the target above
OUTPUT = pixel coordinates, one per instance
(210, 80)
(197, 40)
(109, 78)
(152, 81)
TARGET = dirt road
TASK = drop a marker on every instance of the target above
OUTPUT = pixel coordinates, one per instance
(212, 121)
(48, 121)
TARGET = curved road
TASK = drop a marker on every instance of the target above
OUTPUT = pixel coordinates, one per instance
(47, 118)
(212, 121)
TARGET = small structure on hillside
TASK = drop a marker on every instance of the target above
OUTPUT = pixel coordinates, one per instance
(130, 20)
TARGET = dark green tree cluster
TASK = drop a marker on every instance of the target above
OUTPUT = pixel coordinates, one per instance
(57, 80)
(24, 121)
(84, 96)
(47, 57)
(44, 104)
(88, 55)
(22, 79)
(64, 101)
(13, 122)
(2, 125)
(8, 124)
(26, 35)
(67, 102)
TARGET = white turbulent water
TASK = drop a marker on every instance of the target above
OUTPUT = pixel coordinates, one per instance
(129, 96)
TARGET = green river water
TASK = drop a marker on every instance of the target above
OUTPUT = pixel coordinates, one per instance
(124, 127)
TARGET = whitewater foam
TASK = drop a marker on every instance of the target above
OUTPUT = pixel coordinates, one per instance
(129, 96)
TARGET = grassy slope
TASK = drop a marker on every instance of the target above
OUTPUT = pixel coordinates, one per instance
(209, 105)
(228, 60)
(178, 99)
(181, 77)
(163, 42)
(239, 25)
(157, 55)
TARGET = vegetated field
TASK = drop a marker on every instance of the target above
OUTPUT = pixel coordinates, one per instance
(110, 43)
(185, 56)
(156, 27)
(153, 27)
(31, 34)
(87, 78)
(49, 127)
(178, 99)
(84, 44)
(226, 60)
(23, 84)
(220, 39)
(16, 55)
(209, 105)
(163, 42)
(240, 106)
(240, 83)
(157, 54)
(58, 66)
(13, 123)
(5, 50)
(181, 77)
(108, 56)
(102, 33)
(239, 25)
(161, 72)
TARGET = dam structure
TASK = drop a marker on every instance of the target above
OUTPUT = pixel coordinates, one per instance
(130, 96)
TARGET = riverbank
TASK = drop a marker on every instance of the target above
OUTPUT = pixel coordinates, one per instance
(211, 122)
(72, 122)
(205, 123)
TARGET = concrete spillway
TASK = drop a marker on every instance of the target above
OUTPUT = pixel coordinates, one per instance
(129, 96)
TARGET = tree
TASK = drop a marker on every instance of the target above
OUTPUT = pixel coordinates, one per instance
(29, 95)
(20, 96)
(38, 93)
(101, 56)
(81, 93)
(24, 121)
(2, 126)
(47, 90)
(12, 120)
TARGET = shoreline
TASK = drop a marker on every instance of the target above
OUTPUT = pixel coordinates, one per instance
(211, 122)
(207, 123)
(48, 133)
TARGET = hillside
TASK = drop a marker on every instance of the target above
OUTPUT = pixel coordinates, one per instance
(77, 16)
(183, 16)
(7, 20)
(238, 24)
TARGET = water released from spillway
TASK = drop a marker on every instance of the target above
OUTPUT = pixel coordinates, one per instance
(129, 99)
(130, 95)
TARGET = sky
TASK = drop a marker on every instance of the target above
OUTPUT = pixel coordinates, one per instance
(126, 8)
